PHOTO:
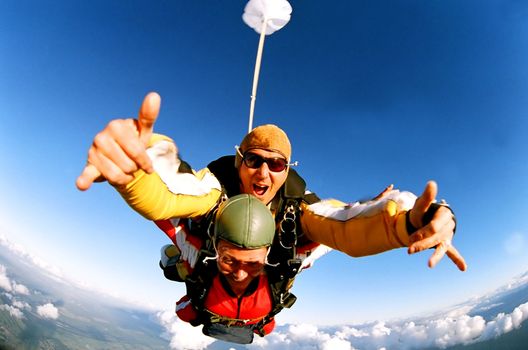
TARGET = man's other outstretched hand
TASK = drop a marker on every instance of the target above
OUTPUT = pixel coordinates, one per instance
(438, 233)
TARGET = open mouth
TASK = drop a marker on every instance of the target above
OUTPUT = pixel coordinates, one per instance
(260, 190)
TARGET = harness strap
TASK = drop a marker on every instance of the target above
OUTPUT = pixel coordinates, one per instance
(228, 321)
(198, 283)
(282, 299)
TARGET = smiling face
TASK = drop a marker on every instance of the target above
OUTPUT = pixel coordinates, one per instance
(240, 266)
(262, 182)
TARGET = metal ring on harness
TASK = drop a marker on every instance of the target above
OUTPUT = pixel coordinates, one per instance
(287, 229)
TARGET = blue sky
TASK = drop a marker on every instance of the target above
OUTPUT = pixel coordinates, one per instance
(371, 93)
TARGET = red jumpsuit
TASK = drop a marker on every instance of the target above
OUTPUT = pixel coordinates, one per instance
(231, 310)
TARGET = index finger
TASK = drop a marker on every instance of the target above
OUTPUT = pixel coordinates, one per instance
(87, 177)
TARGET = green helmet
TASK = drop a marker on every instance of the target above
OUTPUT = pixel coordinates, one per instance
(245, 222)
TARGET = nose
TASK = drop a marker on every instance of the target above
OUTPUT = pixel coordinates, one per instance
(263, 170)
(239, 275)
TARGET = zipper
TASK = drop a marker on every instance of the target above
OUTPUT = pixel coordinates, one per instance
(239, 306)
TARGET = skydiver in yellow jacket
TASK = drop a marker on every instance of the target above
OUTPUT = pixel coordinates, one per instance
(145, 169)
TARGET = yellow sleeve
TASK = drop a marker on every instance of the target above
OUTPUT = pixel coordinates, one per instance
(167, 193)
(359, 229)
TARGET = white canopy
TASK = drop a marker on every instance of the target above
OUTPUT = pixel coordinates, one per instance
(275, 13)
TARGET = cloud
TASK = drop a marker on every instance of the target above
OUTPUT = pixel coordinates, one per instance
(11, 286)
(57, 274)
(5, 282)
(505, 323)
(13, 311)
(21, 305)
(48, 311)
(19, 250)
(302, 336)
(20, 288)
(182, 335)
(454, 328)
(462, 325)
(437, 333)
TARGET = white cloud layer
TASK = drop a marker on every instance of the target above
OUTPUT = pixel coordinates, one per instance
(5, 282)
(16, 309)
(455, 327)
(48, 311)
(13, 311)
(436, 333)
(57, 274)
(21, 305)
(11, 286)
(19, 250)
(181, 334)
(20, 289)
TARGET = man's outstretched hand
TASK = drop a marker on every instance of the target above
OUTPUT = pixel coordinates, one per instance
(120, 148)
(438, 233)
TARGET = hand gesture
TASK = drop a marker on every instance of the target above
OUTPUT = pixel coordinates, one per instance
(438, 233)
(120, 148)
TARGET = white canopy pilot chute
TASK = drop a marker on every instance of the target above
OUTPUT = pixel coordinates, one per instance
(265, 17)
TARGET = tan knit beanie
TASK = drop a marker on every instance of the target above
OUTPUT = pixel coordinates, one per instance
(268, 137)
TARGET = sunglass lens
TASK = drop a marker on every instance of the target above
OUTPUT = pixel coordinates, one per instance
(276, 164)
(253, 161)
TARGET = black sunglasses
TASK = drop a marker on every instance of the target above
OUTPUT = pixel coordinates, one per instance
(254, 161)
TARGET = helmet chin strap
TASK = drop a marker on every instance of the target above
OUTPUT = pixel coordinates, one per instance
(207, 258)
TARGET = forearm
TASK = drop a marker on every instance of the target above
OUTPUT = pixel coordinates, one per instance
(169, 193)
(149, 196)
(358, 230)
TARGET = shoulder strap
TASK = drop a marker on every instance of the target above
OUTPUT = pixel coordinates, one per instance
(224, 170)
(287, 207)
(284, 265)
(295, 186)
(197, 285)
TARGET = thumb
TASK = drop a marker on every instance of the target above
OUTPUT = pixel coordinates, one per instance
(384, 192)
(148, 113)
(423, 202)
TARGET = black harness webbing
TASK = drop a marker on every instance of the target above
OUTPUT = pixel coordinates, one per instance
(283, 263)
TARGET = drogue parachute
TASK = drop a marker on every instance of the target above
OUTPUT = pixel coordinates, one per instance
(265, 17)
